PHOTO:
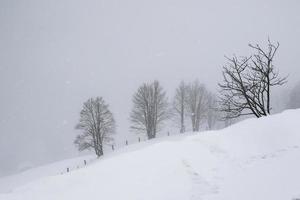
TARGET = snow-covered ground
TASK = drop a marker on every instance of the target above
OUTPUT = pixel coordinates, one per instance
(257, 159)
(8, 183)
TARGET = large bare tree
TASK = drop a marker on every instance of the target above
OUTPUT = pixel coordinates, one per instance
(179, 104)
(247, 83)
(97, 124)
(150, 109)
(196, 103)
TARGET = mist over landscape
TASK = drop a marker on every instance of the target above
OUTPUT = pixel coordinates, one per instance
(55, 55)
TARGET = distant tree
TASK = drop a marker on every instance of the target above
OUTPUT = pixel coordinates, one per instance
(179, 104)
(247, 83)
(196, 103)
(97, 124)
(294, 99)
(212, 110)
(150, 109)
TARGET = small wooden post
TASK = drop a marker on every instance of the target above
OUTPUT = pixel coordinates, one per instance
(84, 162)
(112, 147)
(126, 142)
(139, 139)
(68, 169)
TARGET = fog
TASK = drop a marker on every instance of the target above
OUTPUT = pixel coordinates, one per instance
(54, 55)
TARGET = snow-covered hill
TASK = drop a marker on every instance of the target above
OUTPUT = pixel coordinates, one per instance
(257, 159)
(8, 183)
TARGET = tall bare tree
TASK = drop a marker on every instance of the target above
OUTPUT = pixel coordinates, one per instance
(264, 71)
(196, 103)
(247, 83)
(150, 109)
(179, 104)
(97, 124)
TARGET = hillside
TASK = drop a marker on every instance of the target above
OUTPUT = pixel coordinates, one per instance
(8, 183)
(255, 159)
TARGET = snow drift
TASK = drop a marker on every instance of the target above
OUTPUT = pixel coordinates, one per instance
(255, 159)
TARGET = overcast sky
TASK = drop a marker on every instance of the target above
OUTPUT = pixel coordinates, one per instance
(55, 54)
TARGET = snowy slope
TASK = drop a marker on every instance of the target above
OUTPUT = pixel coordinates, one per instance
(7, 183)
(257, 159)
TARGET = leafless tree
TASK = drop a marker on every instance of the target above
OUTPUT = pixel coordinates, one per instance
(179, 104)
(235, 95)
(294, 98)
(196, 102)
(247, 83)
(226, 117)
(97, 124)
(264, 72)
(212, 111)
(150, 109)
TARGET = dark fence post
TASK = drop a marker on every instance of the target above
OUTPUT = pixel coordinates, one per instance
(126, 142)
(139, 139)
(112, 147)
(68, 169)
(84, 162)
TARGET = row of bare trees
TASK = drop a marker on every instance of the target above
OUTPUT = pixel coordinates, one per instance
(191, 101)
(150, 112)
(245, 90)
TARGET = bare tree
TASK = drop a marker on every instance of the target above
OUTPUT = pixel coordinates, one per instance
(150, 109)
(264, 71)
(196, 103)
(179, 104)
(294, 97)
(235, 96)
(247, 83)
(97, 124)
(228, 120)
(212, 111)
